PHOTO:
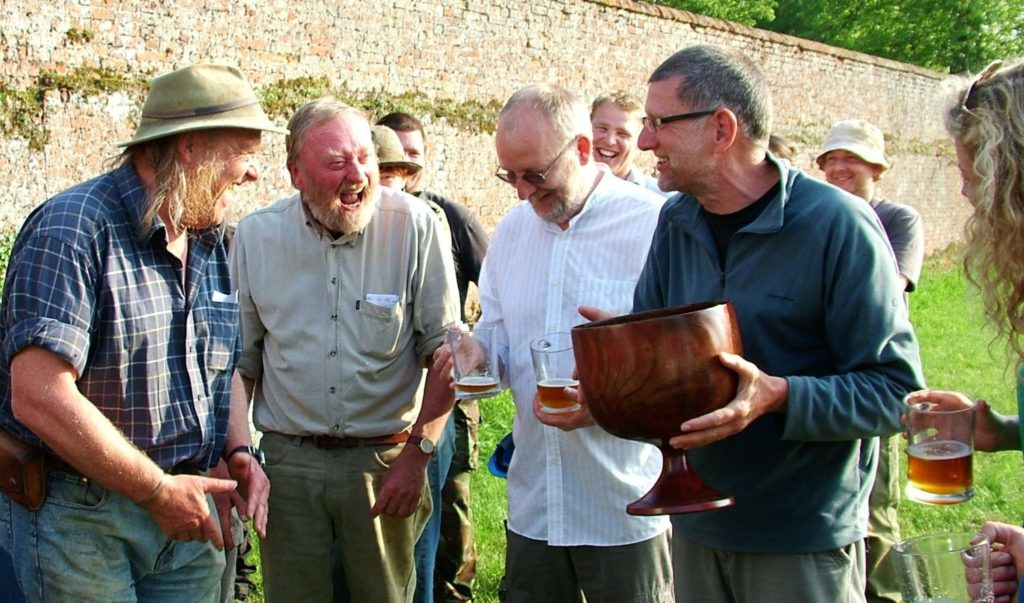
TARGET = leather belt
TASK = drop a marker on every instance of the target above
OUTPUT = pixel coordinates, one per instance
(55, 463)
(326, 442)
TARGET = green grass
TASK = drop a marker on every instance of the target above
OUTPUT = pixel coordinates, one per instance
(489, 499)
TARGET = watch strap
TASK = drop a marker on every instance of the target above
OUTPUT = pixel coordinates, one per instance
(252, 451)
(425, 445)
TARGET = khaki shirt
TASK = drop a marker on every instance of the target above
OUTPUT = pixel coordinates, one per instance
(336, 332)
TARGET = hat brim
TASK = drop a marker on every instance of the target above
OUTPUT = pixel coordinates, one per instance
(869, 155)
(412, 168)
(147, 132)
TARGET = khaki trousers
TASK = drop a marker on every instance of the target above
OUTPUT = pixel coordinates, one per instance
(319, 497)
(707, 575)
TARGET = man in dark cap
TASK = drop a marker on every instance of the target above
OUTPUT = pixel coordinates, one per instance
(119, 331)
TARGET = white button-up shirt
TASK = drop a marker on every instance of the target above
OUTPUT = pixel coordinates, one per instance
(570, 488)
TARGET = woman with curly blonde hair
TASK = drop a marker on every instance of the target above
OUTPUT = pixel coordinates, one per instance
(986, 120)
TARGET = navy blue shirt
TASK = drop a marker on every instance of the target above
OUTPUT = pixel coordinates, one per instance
(89, 281)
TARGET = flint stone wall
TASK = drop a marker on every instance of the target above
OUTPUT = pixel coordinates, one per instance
(441, 49)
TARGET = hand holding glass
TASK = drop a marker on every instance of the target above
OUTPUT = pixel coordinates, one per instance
(944, 567)
(940, 451)
(474, 361)
(554, 364)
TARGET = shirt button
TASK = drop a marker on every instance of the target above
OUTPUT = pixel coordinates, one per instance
(334, 353)
(334, 317)
(331, 389)
(334, 280)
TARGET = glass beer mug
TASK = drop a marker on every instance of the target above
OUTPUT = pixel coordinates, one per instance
(940, 452)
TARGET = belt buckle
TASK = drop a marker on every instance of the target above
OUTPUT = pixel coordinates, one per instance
(326, 442)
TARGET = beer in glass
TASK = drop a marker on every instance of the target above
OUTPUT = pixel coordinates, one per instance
(554, 364)
(474, 361)
(940, 453)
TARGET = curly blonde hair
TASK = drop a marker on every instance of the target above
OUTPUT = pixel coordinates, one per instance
(986, 116)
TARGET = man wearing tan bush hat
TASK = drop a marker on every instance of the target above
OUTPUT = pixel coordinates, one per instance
(853, 158)
(119, 331)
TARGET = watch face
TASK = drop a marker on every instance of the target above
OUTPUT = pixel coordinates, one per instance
(426, 446)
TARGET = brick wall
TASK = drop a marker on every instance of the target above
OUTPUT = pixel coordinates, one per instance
(441, 49)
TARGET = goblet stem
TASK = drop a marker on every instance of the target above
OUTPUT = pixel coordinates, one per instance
(679, 489)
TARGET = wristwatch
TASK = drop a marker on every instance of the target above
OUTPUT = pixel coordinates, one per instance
(426, 445)
(253, 451)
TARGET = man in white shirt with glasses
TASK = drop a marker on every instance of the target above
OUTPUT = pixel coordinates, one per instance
(580, 239)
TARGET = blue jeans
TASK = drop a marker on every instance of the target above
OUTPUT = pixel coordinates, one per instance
(10, 592)
(426, 547)
(90, 544)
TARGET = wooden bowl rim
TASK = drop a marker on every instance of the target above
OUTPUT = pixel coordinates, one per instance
(654, 315)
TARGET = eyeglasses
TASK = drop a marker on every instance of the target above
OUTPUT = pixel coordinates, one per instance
(985, 75)
(651, 124)
(534, 178)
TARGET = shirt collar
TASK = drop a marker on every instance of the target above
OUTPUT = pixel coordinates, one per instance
(134, 199)
(595, 198)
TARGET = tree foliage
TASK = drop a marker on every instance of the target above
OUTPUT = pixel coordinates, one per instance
(747, 12)
(945, 35)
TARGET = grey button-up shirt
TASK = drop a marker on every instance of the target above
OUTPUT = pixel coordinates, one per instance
(337, 331)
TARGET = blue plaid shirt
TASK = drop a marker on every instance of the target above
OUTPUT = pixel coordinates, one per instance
(92, 284)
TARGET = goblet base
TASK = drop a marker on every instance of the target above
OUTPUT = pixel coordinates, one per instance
(678, 489)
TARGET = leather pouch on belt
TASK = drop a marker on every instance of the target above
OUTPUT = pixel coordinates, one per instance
(22, 472)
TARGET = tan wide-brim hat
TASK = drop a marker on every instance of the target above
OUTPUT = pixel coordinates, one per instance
(389, 150)
(200, 97)
(858, 137)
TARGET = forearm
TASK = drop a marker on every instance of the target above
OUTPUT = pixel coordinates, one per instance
(856, 405)
(1008, 433)
(46, 399)
(239, 433)
(438, 401)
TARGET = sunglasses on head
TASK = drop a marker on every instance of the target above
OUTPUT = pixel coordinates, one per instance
(985, 75)
(534, 178)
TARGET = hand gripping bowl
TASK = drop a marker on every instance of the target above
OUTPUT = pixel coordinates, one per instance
(644, 374)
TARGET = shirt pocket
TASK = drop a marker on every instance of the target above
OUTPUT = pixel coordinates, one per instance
(222, 331)
(379, 328)
(611, 295)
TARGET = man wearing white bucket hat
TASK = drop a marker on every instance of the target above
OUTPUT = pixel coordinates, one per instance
(119, 331)
(853, 158)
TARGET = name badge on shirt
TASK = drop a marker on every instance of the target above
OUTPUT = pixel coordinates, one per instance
(384, 300)
(224, 298)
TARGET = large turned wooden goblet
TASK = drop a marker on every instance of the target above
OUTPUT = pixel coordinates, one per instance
(644, 374)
